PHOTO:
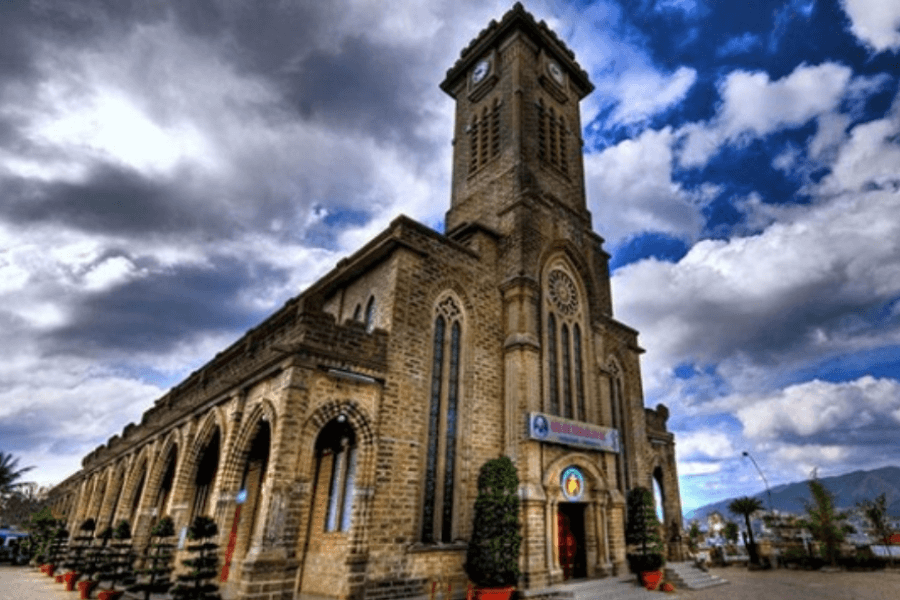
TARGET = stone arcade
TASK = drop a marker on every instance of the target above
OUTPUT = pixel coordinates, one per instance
(357, 416)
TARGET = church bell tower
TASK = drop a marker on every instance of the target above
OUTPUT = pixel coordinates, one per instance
(518, 128)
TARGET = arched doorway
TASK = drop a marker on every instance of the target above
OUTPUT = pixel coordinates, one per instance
(161, 501)
(205, 477)
(659, 495)
(328, 527)
(252, 479)
(578, 504)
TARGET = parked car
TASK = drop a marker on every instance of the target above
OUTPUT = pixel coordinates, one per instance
(12, 547)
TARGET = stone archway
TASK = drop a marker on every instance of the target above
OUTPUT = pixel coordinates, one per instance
(339, 464)
(578, 511)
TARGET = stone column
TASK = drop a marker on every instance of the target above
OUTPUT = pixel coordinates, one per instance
(553, 541)
(182, 486)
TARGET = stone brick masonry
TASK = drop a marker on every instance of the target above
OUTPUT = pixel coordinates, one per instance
(323, 413)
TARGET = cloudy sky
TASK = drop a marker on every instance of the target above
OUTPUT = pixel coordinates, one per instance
(172, 172)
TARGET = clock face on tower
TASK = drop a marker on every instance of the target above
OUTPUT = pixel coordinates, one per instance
(555, 72)
(481, 70)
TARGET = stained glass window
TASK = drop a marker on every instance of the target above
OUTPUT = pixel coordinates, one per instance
(440, 467)
(433, 424)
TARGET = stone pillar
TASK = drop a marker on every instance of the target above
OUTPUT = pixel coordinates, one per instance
(182, 486)
(521, 366)
(555, 572)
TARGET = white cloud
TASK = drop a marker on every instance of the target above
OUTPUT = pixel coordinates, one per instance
(875, 22)
(816, 406)
(630, 190)
(697, 468)
(754, 106)
(739, 45)
(869, 158)
(762, 305)
(644, 93)
(627, 80)
(708, 444)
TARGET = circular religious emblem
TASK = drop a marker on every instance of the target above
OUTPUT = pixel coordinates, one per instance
(562, 292)
(539, 426)
(572, 484)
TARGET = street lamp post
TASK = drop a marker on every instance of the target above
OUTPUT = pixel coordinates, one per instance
(768, 492)
(769, 495)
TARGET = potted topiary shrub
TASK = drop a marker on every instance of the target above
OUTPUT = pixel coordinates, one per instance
(117, 567)
(492, 557)
(155, 576)
(94, 563)
(197, 583)
(642, 533)
(77, 558)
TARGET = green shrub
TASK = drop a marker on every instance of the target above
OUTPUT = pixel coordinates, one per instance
(492, 558)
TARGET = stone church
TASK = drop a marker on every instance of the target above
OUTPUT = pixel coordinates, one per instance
(349, 427)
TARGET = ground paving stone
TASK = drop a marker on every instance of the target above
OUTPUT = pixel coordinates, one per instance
(27, 583)
(788, 584)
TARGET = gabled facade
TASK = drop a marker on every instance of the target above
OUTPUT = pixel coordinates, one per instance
(357, 416)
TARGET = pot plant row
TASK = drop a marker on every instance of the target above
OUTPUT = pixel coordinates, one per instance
(106, 561)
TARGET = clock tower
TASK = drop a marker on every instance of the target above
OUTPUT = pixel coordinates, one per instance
(517, 136)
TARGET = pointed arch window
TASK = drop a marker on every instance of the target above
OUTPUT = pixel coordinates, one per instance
(337, 444)
(620, 424)
(205, 477)
(440, 467)
(564, 355)
(168, 480)
(370, 315)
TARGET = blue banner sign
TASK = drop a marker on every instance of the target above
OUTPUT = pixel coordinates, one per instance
(550, 428)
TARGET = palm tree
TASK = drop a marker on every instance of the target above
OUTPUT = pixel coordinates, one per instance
(8, 474)
(746, 506)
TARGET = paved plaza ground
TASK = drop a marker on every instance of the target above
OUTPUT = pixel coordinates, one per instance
(788, 584)
(25, 583)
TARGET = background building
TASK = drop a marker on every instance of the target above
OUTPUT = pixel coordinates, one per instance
(357, 416)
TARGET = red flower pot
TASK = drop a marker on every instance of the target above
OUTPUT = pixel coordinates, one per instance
(49, 570)
(70, 578)
(59, 578)
(85, 587)
(651, 579)
(503, 593)
(109, 595)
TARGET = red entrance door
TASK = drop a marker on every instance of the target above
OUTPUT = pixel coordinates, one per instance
(570, 540)
(568, 545)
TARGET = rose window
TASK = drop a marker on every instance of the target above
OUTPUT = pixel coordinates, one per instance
(562, 292)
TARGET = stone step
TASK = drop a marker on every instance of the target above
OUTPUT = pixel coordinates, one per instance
(614, 588)
(686, 575)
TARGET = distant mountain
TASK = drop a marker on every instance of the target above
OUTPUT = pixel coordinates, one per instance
(848, 489)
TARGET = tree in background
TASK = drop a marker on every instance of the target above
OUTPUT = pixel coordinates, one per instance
(731, 531)
(17, 506)
(823, 521)
(746, 506)
(875, 512)
(10, 475)
(694, 534)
